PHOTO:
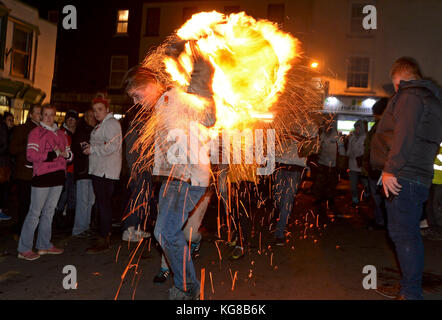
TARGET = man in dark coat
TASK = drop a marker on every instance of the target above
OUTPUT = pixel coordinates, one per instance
(404, 147)
(23, 168)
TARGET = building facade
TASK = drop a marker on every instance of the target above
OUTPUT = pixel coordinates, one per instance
(352, 63)
(27, 55)
(94, 57)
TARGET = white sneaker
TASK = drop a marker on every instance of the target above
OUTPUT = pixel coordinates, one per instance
(424, 224)
(132, 235)
(142, 234)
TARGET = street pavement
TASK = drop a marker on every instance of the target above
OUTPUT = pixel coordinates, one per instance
(322, 260)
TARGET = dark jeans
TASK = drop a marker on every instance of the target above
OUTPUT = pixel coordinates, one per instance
(286, 187)
(243, 196)
(326, 179)
(379, 201)
(68, 195)
(355, 176)
(4, 194)
(24, 195)
(404, 213)
(141, 202)
(103, 189)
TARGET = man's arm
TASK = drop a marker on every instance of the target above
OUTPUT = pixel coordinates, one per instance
(407, 112)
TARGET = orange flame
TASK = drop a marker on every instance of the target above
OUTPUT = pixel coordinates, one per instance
(250, 58)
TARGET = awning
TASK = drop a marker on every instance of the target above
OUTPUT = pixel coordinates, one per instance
(20, 90)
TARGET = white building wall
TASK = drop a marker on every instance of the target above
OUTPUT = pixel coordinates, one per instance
(43, 49)
(44, 70)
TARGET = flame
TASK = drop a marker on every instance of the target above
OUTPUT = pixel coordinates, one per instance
(250, 59)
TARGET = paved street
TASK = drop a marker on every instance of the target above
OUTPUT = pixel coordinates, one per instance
(319, 262)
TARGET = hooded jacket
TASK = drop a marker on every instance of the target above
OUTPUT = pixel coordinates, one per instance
(408, 136)
(49, 167)
(105, 159)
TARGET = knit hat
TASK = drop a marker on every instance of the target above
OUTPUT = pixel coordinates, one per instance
(71, 114)
(379, 107)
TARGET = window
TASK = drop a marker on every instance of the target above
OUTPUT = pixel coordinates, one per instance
(153, 22)
(276, 13)
(231, 9)
(122, 21)
(356, 18)
(21, 51)
(119, 67)
(188, 12)
(358, 72)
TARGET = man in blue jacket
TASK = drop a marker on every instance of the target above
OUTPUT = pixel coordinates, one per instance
(404, 147)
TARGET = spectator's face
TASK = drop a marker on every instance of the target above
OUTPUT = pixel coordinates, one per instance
(36, 114)
(147, 95)
(100, 111)
(71, 123)
(358, 130)
(48, 117)
(9, 121)
(90, 118)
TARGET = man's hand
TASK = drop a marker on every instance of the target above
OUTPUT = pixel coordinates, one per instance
(87, 149)
(390, 184)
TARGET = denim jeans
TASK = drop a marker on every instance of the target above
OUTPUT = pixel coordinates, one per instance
(177, 200)
(404, 213)
(68, 194)
(103, 190)
(41, 212)
(379, 202)
(83, 207)
(141, 201)
(286, 187)
(193, 224)
(354, 179)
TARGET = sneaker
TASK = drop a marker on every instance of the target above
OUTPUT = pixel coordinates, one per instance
(177, 294)
(132, 235)
(29, 255)
(83, 235)
(162, 276)
(373, 226)
(279, 241)
(52, 250)
(390, 292)
(100, 246)
(4, 216)
(424, 224)
(142, 234)
(195, 249)
(237, 253)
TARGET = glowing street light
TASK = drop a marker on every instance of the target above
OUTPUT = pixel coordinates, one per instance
(314, 65)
